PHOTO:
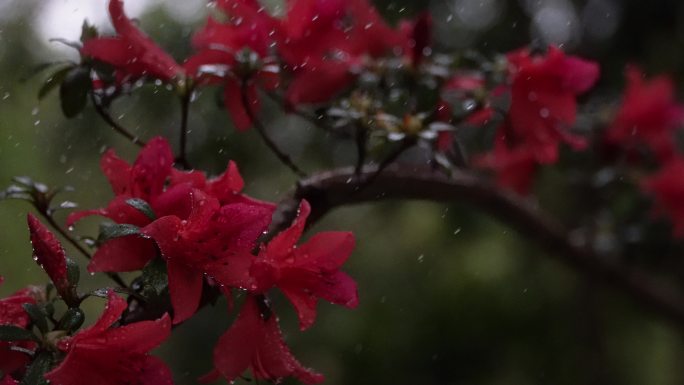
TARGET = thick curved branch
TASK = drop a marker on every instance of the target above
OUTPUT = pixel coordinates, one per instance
(328, 190)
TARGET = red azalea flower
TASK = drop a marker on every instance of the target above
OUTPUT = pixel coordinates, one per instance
(325, 41)
(7, 380)
(307, 272)
(13, 313)
(667, 187)
(219, 43)
(108, 355)
(418, 34)
(213, 241)
(514, 167)
(543, 100)
(145, 179)
(49, 254)
(649, 114)
(131, 52)
(255, 342)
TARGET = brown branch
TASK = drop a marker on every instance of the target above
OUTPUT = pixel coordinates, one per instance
(328, 190)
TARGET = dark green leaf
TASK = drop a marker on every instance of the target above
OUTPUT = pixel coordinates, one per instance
(154, 278)
(53, 81)
(73, 272)
(73, 91)
(37, 316)
(42, 67)
(114, 230)
(72, 320)
(35, 372)
(142, 206)
(88, 31)
(15, 333)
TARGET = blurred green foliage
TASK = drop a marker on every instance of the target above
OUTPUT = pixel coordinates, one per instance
(448, 296)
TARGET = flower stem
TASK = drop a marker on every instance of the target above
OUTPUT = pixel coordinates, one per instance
(104, 114)
(284, 158)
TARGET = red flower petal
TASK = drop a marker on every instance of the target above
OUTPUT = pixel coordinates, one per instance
(232, 97)
(128, 253)
(117, 171)
(49, 254)
(255, 342)
(327, 251)
(185, 287)
(151, 168)
(157, 62)
(282, 244)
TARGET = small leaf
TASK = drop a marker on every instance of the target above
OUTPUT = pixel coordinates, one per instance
(42, 67)
(88, 31)
(72, 320)
(15, 333)
(115, 230)
(74, 90)
(37, 316)
(35, 372)
(53, 81)
(73, 272)
(142, 206)
(155, 278)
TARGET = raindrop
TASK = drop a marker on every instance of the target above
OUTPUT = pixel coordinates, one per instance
(35, 111)
(544, 113)
(457, 231)
(6, 96)
(421, 258)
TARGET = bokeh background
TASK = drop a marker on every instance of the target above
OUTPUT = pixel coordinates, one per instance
(448, 295)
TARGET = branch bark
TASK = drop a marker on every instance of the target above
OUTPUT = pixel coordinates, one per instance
(328, 190)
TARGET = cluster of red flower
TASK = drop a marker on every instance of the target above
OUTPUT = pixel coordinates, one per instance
(205, 231)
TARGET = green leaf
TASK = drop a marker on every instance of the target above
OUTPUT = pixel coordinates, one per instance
(37, 316)
(88, 31)
(15, 333)
(115, 230)
(73, 272)
(73, 91)
(42, 67)
(71, 320)
(35, 372)
(155, 278)
(53, 81)
(142, 206)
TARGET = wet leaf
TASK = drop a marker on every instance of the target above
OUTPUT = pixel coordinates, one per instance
(15, 333)
(73, 272)
(142, 206)
(35, 372)
(115, 230)
(88, 31)
(37, 316)
(154, 278)
(74, 90)
(72, 320)
(53, 81)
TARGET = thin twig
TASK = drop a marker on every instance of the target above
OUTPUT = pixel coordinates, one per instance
(104, 114)
(284, 158)
(185, 110)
